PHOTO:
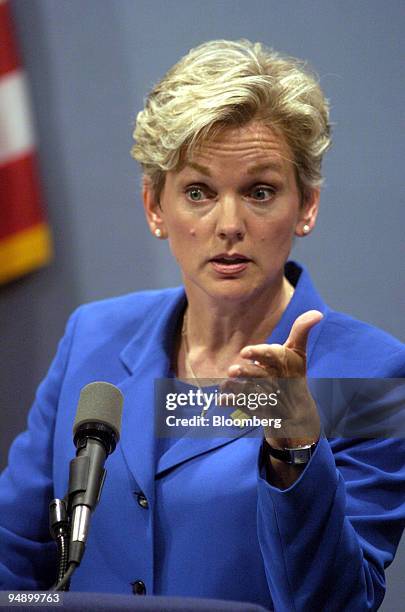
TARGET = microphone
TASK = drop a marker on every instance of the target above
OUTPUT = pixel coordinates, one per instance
(96, 431)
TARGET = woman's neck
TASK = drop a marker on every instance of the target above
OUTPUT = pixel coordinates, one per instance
(214, 333)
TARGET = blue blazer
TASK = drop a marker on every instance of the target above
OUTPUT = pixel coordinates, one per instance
(212, 527)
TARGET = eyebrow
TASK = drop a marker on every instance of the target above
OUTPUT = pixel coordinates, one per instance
(199, 168)
(275, 165)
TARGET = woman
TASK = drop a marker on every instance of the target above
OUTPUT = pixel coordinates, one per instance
(231, 142)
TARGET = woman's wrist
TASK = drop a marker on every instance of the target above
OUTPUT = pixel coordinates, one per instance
(284, 464)
(280, 474)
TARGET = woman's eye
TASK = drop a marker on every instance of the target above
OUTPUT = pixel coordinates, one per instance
(196, 194)
(262, 193)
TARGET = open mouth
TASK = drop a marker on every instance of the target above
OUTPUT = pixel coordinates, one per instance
(230, 263)
(226, 259)
(230, 260)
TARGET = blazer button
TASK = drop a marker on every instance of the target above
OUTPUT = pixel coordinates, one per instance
(138, 587)
(142, 501)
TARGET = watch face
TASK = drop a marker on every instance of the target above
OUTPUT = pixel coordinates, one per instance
(301, 455)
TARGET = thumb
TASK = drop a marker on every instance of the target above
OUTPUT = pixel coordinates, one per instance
(302, 325)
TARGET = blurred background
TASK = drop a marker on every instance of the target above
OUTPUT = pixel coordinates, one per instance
(89, 65)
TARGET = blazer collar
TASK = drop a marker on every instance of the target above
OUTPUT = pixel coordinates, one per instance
(156, 333)
(305, 298)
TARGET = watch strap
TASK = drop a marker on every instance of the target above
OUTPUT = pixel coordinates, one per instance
(299, 455)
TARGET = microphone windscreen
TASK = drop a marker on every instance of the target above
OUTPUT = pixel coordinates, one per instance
(100, 402)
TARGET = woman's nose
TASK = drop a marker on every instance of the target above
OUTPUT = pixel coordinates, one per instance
(230, 222)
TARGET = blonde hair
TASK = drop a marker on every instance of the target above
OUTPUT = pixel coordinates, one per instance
(222, 83)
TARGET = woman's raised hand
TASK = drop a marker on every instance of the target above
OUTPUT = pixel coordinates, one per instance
(281, 369)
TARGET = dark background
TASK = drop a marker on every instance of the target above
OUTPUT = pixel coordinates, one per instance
(91, 62)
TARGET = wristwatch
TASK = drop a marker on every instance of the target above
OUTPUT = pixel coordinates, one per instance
(293, 456)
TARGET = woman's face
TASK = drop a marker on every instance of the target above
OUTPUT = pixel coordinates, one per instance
(231, 212)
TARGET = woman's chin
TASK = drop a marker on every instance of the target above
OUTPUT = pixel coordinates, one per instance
(231, 290)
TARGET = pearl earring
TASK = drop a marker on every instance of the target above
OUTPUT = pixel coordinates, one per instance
(306, 229)
(158, 233)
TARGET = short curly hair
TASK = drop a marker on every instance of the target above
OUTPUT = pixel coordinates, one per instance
(225, 83)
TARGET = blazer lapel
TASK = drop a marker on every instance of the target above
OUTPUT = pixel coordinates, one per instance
(147, 357)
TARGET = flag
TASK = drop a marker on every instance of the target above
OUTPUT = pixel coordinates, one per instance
(25, 242)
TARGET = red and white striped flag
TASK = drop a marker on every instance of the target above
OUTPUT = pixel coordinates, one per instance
(25, 242)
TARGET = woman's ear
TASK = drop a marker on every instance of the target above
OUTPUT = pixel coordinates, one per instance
(308, 212)
(153, 211)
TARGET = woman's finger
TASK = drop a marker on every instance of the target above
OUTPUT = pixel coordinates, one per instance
(270, 356)
(297, 340)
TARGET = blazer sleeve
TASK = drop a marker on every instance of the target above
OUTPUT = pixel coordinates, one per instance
(326, 540)
(27, 553)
